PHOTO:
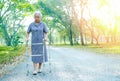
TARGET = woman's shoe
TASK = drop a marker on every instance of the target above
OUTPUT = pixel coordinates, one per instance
(34, 72)
(39, 71)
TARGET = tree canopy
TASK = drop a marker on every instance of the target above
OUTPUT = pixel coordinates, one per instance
(69, 21)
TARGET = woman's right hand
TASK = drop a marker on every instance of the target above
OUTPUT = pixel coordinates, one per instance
(27, 37)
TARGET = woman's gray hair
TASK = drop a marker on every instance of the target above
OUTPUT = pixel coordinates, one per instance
(38, 13)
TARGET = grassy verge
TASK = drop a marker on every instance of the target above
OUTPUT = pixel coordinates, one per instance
(100, 49)
(7, 53)
(104, 49)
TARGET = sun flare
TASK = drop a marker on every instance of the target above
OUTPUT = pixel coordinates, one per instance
(107, 11)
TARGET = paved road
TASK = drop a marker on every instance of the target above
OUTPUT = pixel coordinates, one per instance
(70, 64)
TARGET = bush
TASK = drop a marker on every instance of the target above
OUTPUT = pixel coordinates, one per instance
(7, 53)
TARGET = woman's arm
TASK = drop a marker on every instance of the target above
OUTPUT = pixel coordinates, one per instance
(45, 30)
(46, 36)
(27, 37)
(28, 32)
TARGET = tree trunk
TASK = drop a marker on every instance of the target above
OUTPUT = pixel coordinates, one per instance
(71, 35)
(92, 36)
(81, 35)
(81, 32)
(6, 36)
(64, 40)
(81, 26)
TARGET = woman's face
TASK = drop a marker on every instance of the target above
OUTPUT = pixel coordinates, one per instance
(37, 19)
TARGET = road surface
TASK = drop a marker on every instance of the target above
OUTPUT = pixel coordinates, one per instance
(70, 64)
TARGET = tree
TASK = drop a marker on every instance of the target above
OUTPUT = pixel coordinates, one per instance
(58, 15)
(11, 15)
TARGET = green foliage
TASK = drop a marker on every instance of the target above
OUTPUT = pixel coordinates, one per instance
(15, 42)
(64, 18)
(7, 54)
(60, 21)
(12, 13)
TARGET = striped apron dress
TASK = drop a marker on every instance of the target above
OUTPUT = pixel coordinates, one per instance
(38, 46)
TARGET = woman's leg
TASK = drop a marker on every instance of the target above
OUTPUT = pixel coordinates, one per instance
(35, 68)
(39, 67)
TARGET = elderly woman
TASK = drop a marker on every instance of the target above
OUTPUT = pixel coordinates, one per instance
(39, 35)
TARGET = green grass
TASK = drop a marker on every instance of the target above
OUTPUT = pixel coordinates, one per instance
(104, 49)
(7, 53)
(99, 49)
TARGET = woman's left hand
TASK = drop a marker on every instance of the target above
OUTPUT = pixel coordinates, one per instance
(45, 39)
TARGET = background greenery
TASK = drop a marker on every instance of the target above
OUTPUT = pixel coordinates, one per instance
(68, 26)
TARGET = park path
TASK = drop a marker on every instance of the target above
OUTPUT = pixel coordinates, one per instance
(70, 64)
